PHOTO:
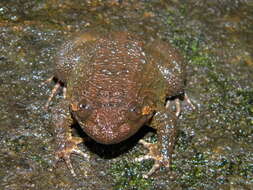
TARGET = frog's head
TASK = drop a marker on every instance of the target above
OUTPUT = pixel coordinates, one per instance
(110, 123)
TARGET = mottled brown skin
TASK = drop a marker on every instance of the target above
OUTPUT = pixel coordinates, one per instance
(115, 84)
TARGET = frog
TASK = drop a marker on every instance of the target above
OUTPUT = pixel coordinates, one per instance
(115, 83)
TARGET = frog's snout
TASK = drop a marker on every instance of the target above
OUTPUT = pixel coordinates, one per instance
(107, 127)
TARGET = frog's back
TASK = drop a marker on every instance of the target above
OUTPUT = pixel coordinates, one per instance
(70, 54)
(114, 69)
(113, 54)
(119, 61)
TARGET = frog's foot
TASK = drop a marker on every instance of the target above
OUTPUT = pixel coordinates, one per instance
(54, 91)
(153, 154)
(177, 104)
(66, 149)
(188, 100)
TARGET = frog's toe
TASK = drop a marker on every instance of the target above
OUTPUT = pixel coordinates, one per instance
(153, 154)
(64, 155)
(65, 150)
(154, 167)
(188, 100)
(54, 91)
(177, 103)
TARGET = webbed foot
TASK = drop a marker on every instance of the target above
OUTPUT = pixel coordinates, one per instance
(154, 154)
(66, 149)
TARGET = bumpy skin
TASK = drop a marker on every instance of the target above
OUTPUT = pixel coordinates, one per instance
(116, 84)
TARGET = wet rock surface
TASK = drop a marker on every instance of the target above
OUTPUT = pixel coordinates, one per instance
(214, 148)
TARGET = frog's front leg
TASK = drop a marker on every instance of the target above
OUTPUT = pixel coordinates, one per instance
(161, 152)
(66, 143)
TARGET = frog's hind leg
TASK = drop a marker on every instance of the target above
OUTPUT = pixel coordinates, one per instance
(178, 105)
(54, 91)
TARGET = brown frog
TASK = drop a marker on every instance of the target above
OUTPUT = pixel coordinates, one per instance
(114, 83)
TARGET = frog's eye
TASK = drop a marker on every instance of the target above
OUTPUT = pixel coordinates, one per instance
(135, 108)
(84, 110)
(83, 105)
(134, 112)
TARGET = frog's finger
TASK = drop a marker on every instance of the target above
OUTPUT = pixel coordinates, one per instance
(153, 154)
(69, 165)
(68, 148)
(153, 169)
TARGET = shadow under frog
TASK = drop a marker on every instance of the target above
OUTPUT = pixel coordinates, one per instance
(114, 84)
